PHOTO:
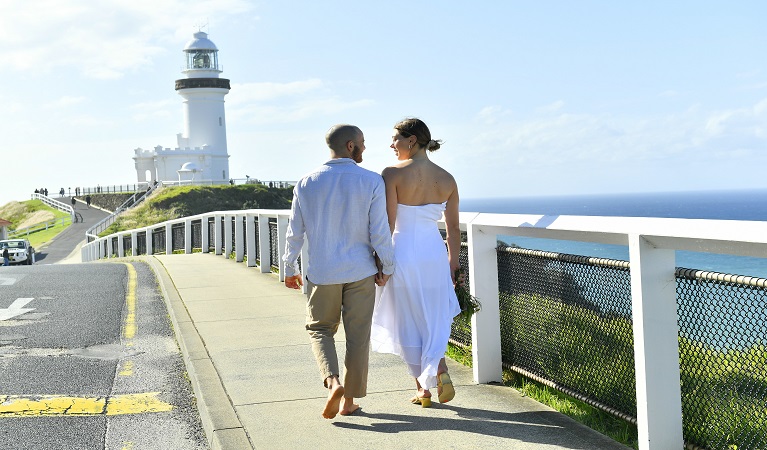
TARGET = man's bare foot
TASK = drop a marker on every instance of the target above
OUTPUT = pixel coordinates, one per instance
(334, 402)
(348, 407)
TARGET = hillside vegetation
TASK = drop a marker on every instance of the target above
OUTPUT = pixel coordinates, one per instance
(180, 201)
(32, 212)
(28, 213)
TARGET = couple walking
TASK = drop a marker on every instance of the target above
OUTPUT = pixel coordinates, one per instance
(377, 261)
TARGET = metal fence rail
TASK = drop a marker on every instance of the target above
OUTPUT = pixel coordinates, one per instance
(566, 321)
(574, 322)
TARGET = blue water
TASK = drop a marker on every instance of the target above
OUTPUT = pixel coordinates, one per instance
(724, 205)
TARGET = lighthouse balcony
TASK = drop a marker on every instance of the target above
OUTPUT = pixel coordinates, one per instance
(194, 83)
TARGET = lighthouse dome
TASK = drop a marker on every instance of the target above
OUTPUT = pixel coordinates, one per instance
(200, 42)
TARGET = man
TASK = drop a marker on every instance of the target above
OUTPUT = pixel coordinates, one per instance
(341, 209)
(6, 256)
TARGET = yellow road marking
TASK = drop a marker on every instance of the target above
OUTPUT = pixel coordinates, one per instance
(127, 369)
(129, 327)
(59, 405)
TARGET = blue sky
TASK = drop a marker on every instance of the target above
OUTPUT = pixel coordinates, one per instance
(530, 98)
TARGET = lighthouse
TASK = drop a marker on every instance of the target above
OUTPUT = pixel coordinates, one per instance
(202, 144)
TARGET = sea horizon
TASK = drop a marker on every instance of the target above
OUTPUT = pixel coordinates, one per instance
(735, 204)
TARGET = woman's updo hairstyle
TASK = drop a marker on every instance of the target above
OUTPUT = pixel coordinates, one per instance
(416, 127)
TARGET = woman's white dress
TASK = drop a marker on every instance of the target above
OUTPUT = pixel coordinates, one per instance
(415, 309)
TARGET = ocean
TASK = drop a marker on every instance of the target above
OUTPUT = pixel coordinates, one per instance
(722, 205)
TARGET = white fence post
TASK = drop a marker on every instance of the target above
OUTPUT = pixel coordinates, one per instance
(149, 249)
(168, 239)
(239, 244)
(250, 240)
(263, 243)
(120, 246)
(282, 231)
(228, 235)
(656, 345)
(486, 324)
(218, 234)
(205, 234)
(134, 243)
(187, 236)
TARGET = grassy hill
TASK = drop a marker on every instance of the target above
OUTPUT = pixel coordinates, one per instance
(31, 212)
(181, 201)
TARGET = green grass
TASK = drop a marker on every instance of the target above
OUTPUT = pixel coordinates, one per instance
(40, 238)
(596, 419)
(18, 212)
(723, 391)
(181, 201)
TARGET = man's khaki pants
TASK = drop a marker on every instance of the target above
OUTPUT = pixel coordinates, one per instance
(326, 306)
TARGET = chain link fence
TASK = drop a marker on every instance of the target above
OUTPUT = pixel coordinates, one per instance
(566, 321)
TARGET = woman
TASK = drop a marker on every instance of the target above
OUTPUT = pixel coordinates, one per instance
(415, 309)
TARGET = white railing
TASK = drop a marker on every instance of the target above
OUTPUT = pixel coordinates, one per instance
(38, 227)
(134, 200)
(55, 204)
(651, 241)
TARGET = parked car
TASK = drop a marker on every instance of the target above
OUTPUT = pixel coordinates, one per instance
(20, 251)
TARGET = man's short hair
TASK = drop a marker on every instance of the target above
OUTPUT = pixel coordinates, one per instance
(339, 135)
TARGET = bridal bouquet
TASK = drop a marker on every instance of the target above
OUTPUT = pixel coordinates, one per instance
(468, 303)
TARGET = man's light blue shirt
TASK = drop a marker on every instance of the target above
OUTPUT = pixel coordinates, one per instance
(341, 210)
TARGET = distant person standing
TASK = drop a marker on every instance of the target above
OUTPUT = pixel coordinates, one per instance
(46, 192)
(5, 256)
(88, 200)
(73, 203)
(61, 192)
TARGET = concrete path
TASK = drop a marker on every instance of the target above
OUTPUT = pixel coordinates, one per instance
(257, 384)
(65, 247)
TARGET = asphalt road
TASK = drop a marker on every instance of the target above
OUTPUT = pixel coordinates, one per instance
(73, 237)
(88, 360)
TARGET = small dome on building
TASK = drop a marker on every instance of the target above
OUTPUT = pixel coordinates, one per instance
(189, 167)
(200, 42)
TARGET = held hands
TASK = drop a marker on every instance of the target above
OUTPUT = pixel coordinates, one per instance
(382, 278)
(294, 282)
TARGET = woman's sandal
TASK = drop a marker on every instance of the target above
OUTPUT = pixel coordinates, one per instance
(445, 386)
(425, 402)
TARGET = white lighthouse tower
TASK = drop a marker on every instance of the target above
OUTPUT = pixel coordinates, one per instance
(202, 145)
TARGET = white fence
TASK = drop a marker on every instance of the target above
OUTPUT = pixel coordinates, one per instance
(55, 204)
(652, 244)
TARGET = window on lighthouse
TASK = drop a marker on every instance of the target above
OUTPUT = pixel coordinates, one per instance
(201, 60)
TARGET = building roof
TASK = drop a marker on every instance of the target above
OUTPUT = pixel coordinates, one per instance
(5, 223)
(200, 42)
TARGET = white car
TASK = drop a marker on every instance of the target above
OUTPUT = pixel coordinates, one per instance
(19, 251)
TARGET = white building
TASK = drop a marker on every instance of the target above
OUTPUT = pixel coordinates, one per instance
(201, 154)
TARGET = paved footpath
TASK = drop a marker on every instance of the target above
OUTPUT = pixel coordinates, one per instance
(257, 384)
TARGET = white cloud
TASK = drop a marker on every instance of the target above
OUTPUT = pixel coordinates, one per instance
(286, 102)
(558, 140)
(258, 92)
(102, 39)
(552, 107)
(64, 102)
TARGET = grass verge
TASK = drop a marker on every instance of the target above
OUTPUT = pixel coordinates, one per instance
(596, 419)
